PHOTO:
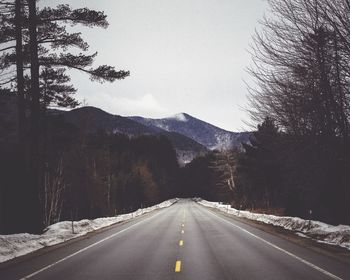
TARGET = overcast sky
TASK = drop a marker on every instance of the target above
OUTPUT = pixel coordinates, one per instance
(184, 56)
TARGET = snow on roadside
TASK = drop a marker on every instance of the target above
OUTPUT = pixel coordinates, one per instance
(15, 245)
(321, 232)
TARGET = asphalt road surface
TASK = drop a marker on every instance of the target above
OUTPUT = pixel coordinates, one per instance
(184, 241)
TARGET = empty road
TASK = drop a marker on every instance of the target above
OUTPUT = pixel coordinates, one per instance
(184, 241)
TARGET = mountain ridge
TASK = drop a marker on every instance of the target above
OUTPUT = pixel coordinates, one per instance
(92, 120)
(190, 136)
(200, 131)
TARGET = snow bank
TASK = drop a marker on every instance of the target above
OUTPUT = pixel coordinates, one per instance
(15, 245)
(321, 232)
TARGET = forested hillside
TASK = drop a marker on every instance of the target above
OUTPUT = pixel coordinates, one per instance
(89, 175)
(208, 135)
(93, 120)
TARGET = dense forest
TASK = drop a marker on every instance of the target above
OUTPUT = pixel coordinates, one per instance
(277, 174)
(89, 175)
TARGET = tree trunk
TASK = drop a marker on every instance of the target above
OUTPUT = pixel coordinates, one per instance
(35, 156)
(19, 66)
(34, 68)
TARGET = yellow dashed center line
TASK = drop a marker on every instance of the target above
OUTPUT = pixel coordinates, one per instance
(181, 243)
(178, 266)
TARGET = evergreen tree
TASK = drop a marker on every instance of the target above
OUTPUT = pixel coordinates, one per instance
(54, 44)
(260, 168)
(38, 44)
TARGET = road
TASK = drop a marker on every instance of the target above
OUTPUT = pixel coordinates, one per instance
(184, 241)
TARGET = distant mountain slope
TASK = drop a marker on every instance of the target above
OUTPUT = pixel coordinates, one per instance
(92, 120)
(202, 132)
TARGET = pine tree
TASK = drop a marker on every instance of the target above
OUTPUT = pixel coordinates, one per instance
(260, 166)
(54, 44)
(37, 43)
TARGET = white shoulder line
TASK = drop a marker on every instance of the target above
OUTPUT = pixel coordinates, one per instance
(86, 248)
(280, 249)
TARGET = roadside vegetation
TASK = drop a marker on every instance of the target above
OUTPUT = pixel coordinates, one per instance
(299, 158)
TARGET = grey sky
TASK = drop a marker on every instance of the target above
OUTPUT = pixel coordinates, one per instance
(184, 56)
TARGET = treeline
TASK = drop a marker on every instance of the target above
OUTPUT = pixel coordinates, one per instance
(298, 162)
(305, 177)
(301, 68)
(89, 176)
(277, 174)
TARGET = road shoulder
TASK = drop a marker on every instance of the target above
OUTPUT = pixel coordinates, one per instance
(336, 252)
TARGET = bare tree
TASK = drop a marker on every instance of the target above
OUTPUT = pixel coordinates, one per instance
(52, 196)
(301, 70)
(224, 165)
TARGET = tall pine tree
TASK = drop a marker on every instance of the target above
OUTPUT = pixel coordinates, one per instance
(36, 43)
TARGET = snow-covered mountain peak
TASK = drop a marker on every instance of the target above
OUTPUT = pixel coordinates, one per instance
(206, 134)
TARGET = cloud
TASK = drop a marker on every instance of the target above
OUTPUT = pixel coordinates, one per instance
(146, 105)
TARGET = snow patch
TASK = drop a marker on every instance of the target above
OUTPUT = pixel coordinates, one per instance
(162, 126)
(184, 156)
(321, 232)
(16, 245)
(224, 141)
(179, 117)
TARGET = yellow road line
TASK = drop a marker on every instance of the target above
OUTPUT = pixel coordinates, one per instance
(178, 266)
(181, 243)
(182, 231)
(183, 225)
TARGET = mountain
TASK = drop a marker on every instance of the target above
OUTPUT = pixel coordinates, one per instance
(92, 120)
(189, 136)
(210, 136)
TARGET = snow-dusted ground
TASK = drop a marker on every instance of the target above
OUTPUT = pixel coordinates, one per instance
(15, 245)
(321, 232)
